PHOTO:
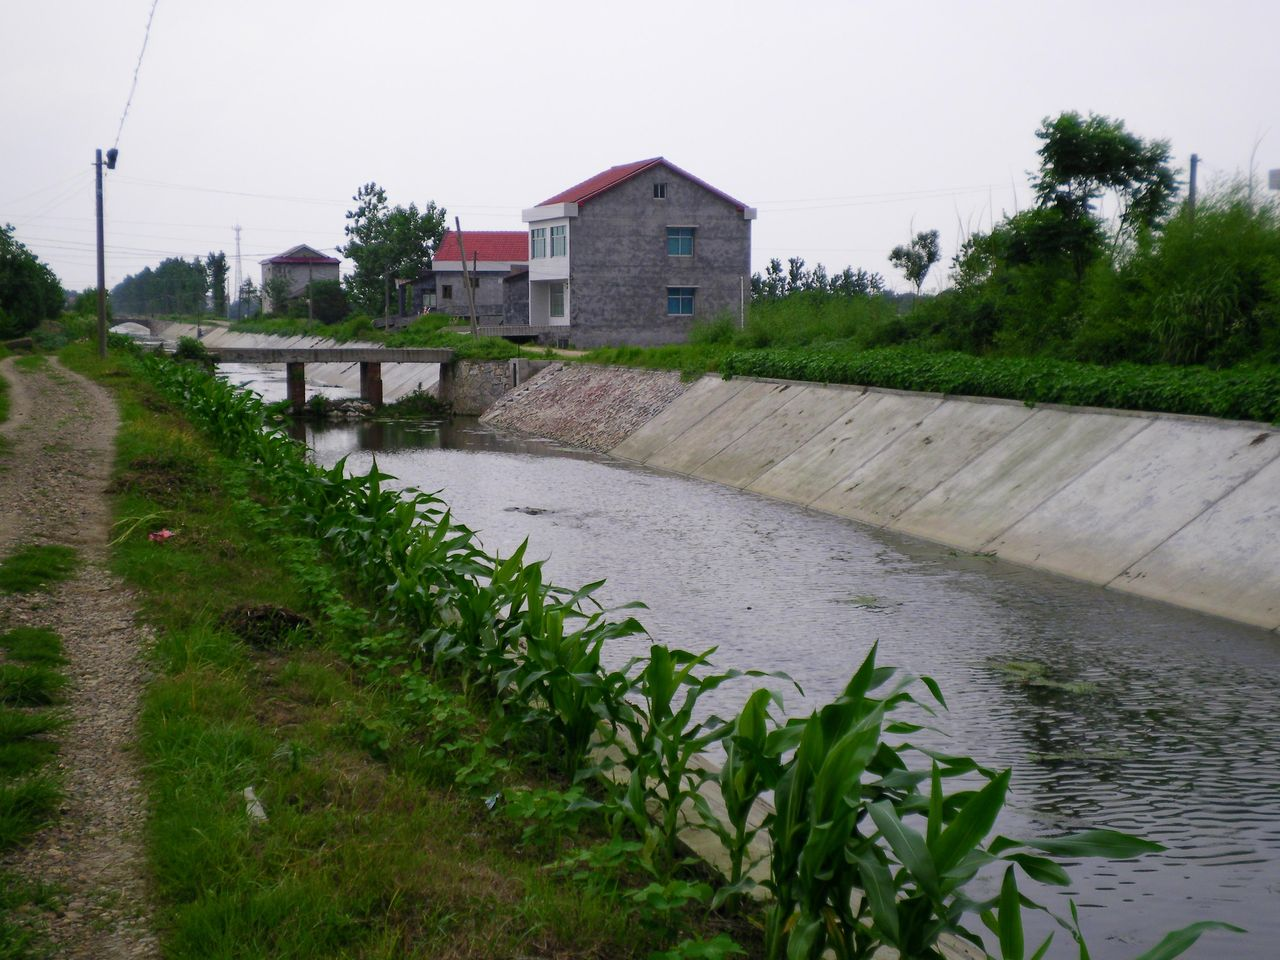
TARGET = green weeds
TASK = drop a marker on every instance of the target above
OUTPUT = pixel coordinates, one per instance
(35, 567)
(1245, 394)
(29, 796)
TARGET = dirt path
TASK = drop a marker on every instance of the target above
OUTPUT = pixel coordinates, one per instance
(53, 477)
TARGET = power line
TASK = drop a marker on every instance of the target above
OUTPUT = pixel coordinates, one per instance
(134, 86)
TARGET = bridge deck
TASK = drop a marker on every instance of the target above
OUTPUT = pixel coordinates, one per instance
(330, 355)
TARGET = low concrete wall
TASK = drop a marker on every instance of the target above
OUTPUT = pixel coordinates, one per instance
(1180, 509)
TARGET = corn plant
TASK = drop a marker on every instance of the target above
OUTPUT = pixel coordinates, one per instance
(751, 768)
(660, 743)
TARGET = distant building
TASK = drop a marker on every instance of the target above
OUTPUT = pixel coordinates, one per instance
(299, 265)
(635, 254)
(491, 257)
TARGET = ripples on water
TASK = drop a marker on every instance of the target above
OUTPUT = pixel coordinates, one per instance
(1171, 737)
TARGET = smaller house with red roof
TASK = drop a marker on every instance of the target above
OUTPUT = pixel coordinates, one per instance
(493, 258)
(298, 266)
(636, 254)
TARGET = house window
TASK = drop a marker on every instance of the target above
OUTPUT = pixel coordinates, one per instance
(558, 238)
(475, 283)
(446, 291)
(680, 241)
(537, 243)
(557, 299)
(659, 191)
(680, 301)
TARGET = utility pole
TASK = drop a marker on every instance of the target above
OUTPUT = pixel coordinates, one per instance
(466, 279)
(102, 263)
(1191, 186)
(239, 299)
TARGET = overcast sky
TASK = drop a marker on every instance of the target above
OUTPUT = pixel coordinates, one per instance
(847, 124)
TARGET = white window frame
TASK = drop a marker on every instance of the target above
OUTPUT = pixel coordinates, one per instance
(556, 288)
(560, 240)
(660, 190)
(537, 243)
(691, 297)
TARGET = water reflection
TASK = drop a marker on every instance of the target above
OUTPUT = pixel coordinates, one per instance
(1113, 711)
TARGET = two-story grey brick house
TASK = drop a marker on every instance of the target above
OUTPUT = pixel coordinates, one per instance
(298, 266)
(635, 254)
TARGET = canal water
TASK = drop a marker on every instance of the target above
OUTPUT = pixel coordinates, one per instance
(1112, 711)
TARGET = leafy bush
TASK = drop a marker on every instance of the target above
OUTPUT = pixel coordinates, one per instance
(1246, 394)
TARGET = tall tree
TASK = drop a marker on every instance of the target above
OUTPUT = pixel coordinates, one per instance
(915, 258)
(387, 242)
(29, 290)
(1084, 158)
(216, 266)
(176, 286)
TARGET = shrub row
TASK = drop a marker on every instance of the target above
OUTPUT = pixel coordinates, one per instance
(1240, 394)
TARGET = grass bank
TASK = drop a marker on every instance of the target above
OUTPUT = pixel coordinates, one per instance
(1241, 393)
(31, 689)
(366, 831)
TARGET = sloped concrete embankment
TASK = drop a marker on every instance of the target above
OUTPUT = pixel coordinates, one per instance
(398, 379)
(1184, 510)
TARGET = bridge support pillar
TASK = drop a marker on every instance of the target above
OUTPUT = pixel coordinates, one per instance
(445, 388)
(297, 385)
(371, 382)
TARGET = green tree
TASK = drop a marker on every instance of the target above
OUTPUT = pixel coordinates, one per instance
(915, 258)
(275, 291)
(245, 298)
(328, 302)
(1084, 158)
(216, 266)
(176, 286)
(387, 242)
(29, 290)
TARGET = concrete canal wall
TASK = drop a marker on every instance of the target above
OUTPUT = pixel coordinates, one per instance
(1180, 509)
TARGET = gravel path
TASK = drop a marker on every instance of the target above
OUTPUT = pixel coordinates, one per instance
(53, 478)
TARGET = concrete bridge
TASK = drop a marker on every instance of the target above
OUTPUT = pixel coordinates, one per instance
(370, 359)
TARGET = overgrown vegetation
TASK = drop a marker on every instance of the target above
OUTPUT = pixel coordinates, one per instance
(29, 289)
(30, 793)
(34, 567)
(477, 673)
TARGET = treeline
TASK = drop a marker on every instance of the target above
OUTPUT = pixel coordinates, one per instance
(1153, 281)
(175, 286)
(29, 289)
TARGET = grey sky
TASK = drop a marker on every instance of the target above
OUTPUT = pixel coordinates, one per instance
(846, 123)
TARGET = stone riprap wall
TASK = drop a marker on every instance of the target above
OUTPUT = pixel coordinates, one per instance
(1184, 510)
(587, 406)
(478, 384)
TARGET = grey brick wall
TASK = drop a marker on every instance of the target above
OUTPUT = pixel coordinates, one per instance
(620, 269)
(488, 295)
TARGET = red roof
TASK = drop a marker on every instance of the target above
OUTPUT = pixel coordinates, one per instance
(594, 186)
(487, 246)
(301, 254)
